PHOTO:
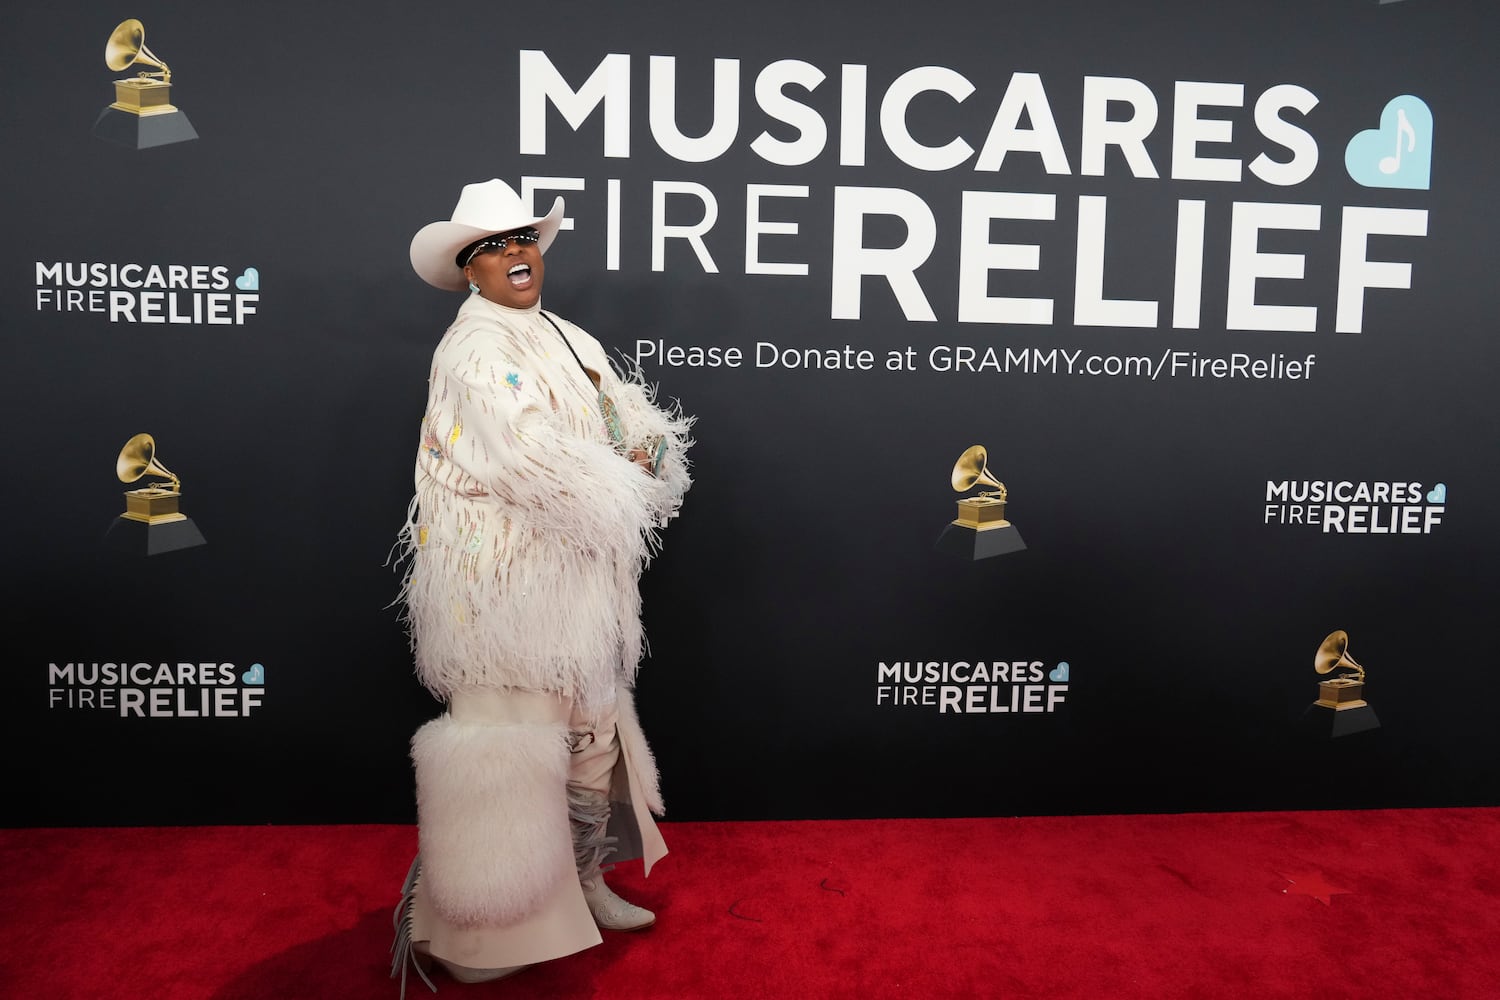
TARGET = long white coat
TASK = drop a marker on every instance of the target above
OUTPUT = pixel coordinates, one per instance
(526, 538)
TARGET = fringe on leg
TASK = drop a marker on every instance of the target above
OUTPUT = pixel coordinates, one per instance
(402, 955)
(588, 813)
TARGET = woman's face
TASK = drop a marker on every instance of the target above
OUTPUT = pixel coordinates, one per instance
(512, 276)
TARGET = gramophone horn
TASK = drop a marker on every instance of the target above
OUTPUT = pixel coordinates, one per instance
(970, 470)
(127, 47)
(1333, 655)
(138, 458)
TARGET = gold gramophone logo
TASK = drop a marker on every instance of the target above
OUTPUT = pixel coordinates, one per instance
(153, 522)
(142, 114)
(1341, 708)
(980, 530)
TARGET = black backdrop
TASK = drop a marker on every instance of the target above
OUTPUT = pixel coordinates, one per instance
(804, 559)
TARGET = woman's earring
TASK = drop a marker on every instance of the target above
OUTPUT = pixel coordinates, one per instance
(473, 287)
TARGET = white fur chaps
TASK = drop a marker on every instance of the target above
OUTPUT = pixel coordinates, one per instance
(492, 817)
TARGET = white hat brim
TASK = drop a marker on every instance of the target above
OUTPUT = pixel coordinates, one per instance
(437, 243)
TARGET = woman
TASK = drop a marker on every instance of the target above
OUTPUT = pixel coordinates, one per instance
(542, 478)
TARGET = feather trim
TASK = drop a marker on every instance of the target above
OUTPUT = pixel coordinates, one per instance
(529, 530)
(638, 753)
(647, 420)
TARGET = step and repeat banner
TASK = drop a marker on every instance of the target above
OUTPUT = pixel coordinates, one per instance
(1095, 400)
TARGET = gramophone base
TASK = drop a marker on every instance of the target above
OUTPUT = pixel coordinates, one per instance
(143, 131)
(1330, 723)
(142, 539)
(979, 543)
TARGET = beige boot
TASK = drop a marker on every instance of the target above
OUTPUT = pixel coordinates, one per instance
(588, 812)
(418, 955)
(610, 911)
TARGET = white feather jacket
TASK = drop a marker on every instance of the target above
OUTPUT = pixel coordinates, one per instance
(530, 527)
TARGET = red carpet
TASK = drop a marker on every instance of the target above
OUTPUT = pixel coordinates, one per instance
(1394, 903)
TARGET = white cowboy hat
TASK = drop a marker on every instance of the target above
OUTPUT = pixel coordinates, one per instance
(482, 210)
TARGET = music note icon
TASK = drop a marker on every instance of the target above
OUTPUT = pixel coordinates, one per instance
(1391, 164)
(1370, 160)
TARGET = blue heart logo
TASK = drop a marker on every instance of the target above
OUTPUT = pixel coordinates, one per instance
(249, 281)
(1059, 673)
(1438, 494)
(255, 675)
(1398, 154)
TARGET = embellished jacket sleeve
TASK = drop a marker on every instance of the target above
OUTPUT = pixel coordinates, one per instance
(499, 425)
(648, 426)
